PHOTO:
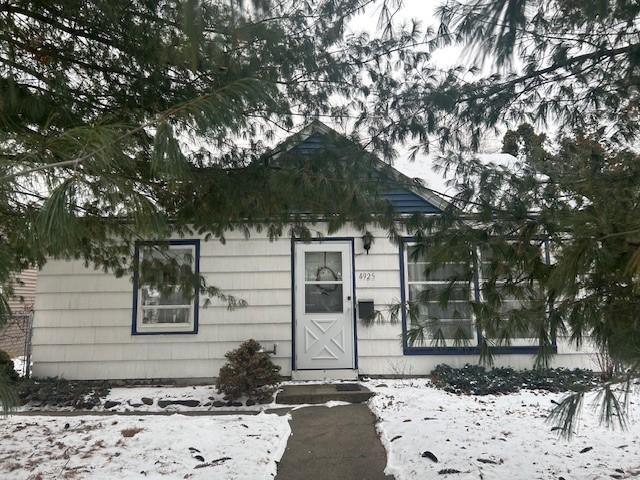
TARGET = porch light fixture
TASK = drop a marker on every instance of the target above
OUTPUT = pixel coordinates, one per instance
(367, 241)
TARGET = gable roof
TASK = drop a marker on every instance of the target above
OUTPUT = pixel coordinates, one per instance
(409, 196)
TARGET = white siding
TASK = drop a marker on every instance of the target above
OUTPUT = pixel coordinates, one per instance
(82, 327)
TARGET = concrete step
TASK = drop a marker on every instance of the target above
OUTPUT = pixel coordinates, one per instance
(314, 393)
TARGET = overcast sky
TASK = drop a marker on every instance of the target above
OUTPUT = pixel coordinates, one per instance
(444, 58)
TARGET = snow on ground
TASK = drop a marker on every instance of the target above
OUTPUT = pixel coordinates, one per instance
(158, 398)
(19, 365)
(329, 404)
(508, 433)
(131, 398)
(159, 446)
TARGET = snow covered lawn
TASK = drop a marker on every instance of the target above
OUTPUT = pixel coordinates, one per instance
(175, 446)
(494, 437)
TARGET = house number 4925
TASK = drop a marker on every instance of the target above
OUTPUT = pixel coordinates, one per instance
(367, 276)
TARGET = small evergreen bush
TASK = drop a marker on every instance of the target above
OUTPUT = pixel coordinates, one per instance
(248, 371)
(6, 367)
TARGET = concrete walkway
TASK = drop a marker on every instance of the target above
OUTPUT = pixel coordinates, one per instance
(338, 443)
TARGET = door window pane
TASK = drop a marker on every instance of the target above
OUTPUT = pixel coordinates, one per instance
(323, 298)
(323, 266)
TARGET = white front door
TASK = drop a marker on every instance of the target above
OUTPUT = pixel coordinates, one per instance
(324, 306)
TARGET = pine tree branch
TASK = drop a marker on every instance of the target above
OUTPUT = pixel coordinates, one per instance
(597, 55)
(160, 117)
(55, 53)
(90, 35)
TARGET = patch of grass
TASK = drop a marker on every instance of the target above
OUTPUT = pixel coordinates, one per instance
(131, 432)
(476, 380)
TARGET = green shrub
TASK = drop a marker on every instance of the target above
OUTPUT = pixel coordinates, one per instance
(248, 371)
(8, 381)
(6, 366)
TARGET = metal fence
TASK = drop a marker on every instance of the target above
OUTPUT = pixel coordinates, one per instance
(15, 339)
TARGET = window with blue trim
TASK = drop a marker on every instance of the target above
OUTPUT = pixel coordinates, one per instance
(165, 287)
(438, 317)
(439, 313)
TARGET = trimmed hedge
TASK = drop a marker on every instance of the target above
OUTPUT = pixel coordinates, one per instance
(476, 380)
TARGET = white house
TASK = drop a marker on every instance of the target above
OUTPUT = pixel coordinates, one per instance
(304, 302)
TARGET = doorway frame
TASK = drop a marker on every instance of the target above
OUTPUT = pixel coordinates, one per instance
(295, 241)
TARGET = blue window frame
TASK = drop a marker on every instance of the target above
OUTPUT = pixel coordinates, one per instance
(457, 315)
(170, 311)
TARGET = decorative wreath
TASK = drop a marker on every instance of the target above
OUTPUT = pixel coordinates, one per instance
(326, 274)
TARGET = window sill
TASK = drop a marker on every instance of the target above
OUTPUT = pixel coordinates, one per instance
(191, 331)
(515, 350)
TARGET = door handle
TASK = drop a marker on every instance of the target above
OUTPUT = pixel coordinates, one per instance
(349, 297)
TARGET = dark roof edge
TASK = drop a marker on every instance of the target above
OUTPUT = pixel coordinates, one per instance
(316, 126)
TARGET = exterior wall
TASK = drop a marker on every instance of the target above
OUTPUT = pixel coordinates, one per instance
(13, 334)
(24, 289)
(82, 326)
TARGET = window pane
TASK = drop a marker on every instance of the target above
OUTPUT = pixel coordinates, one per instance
(499, 270)
(452, 321)
(522, 311)
(493, 264)
(437, 293)
(165, 315)
(163, 272)
(453, 310)
(174, 296)
(447, 330)
(325, 298)
(415, 254)
(428, 297)
(417, 269)
(323, 266)
(522, 318)
(182, 255)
